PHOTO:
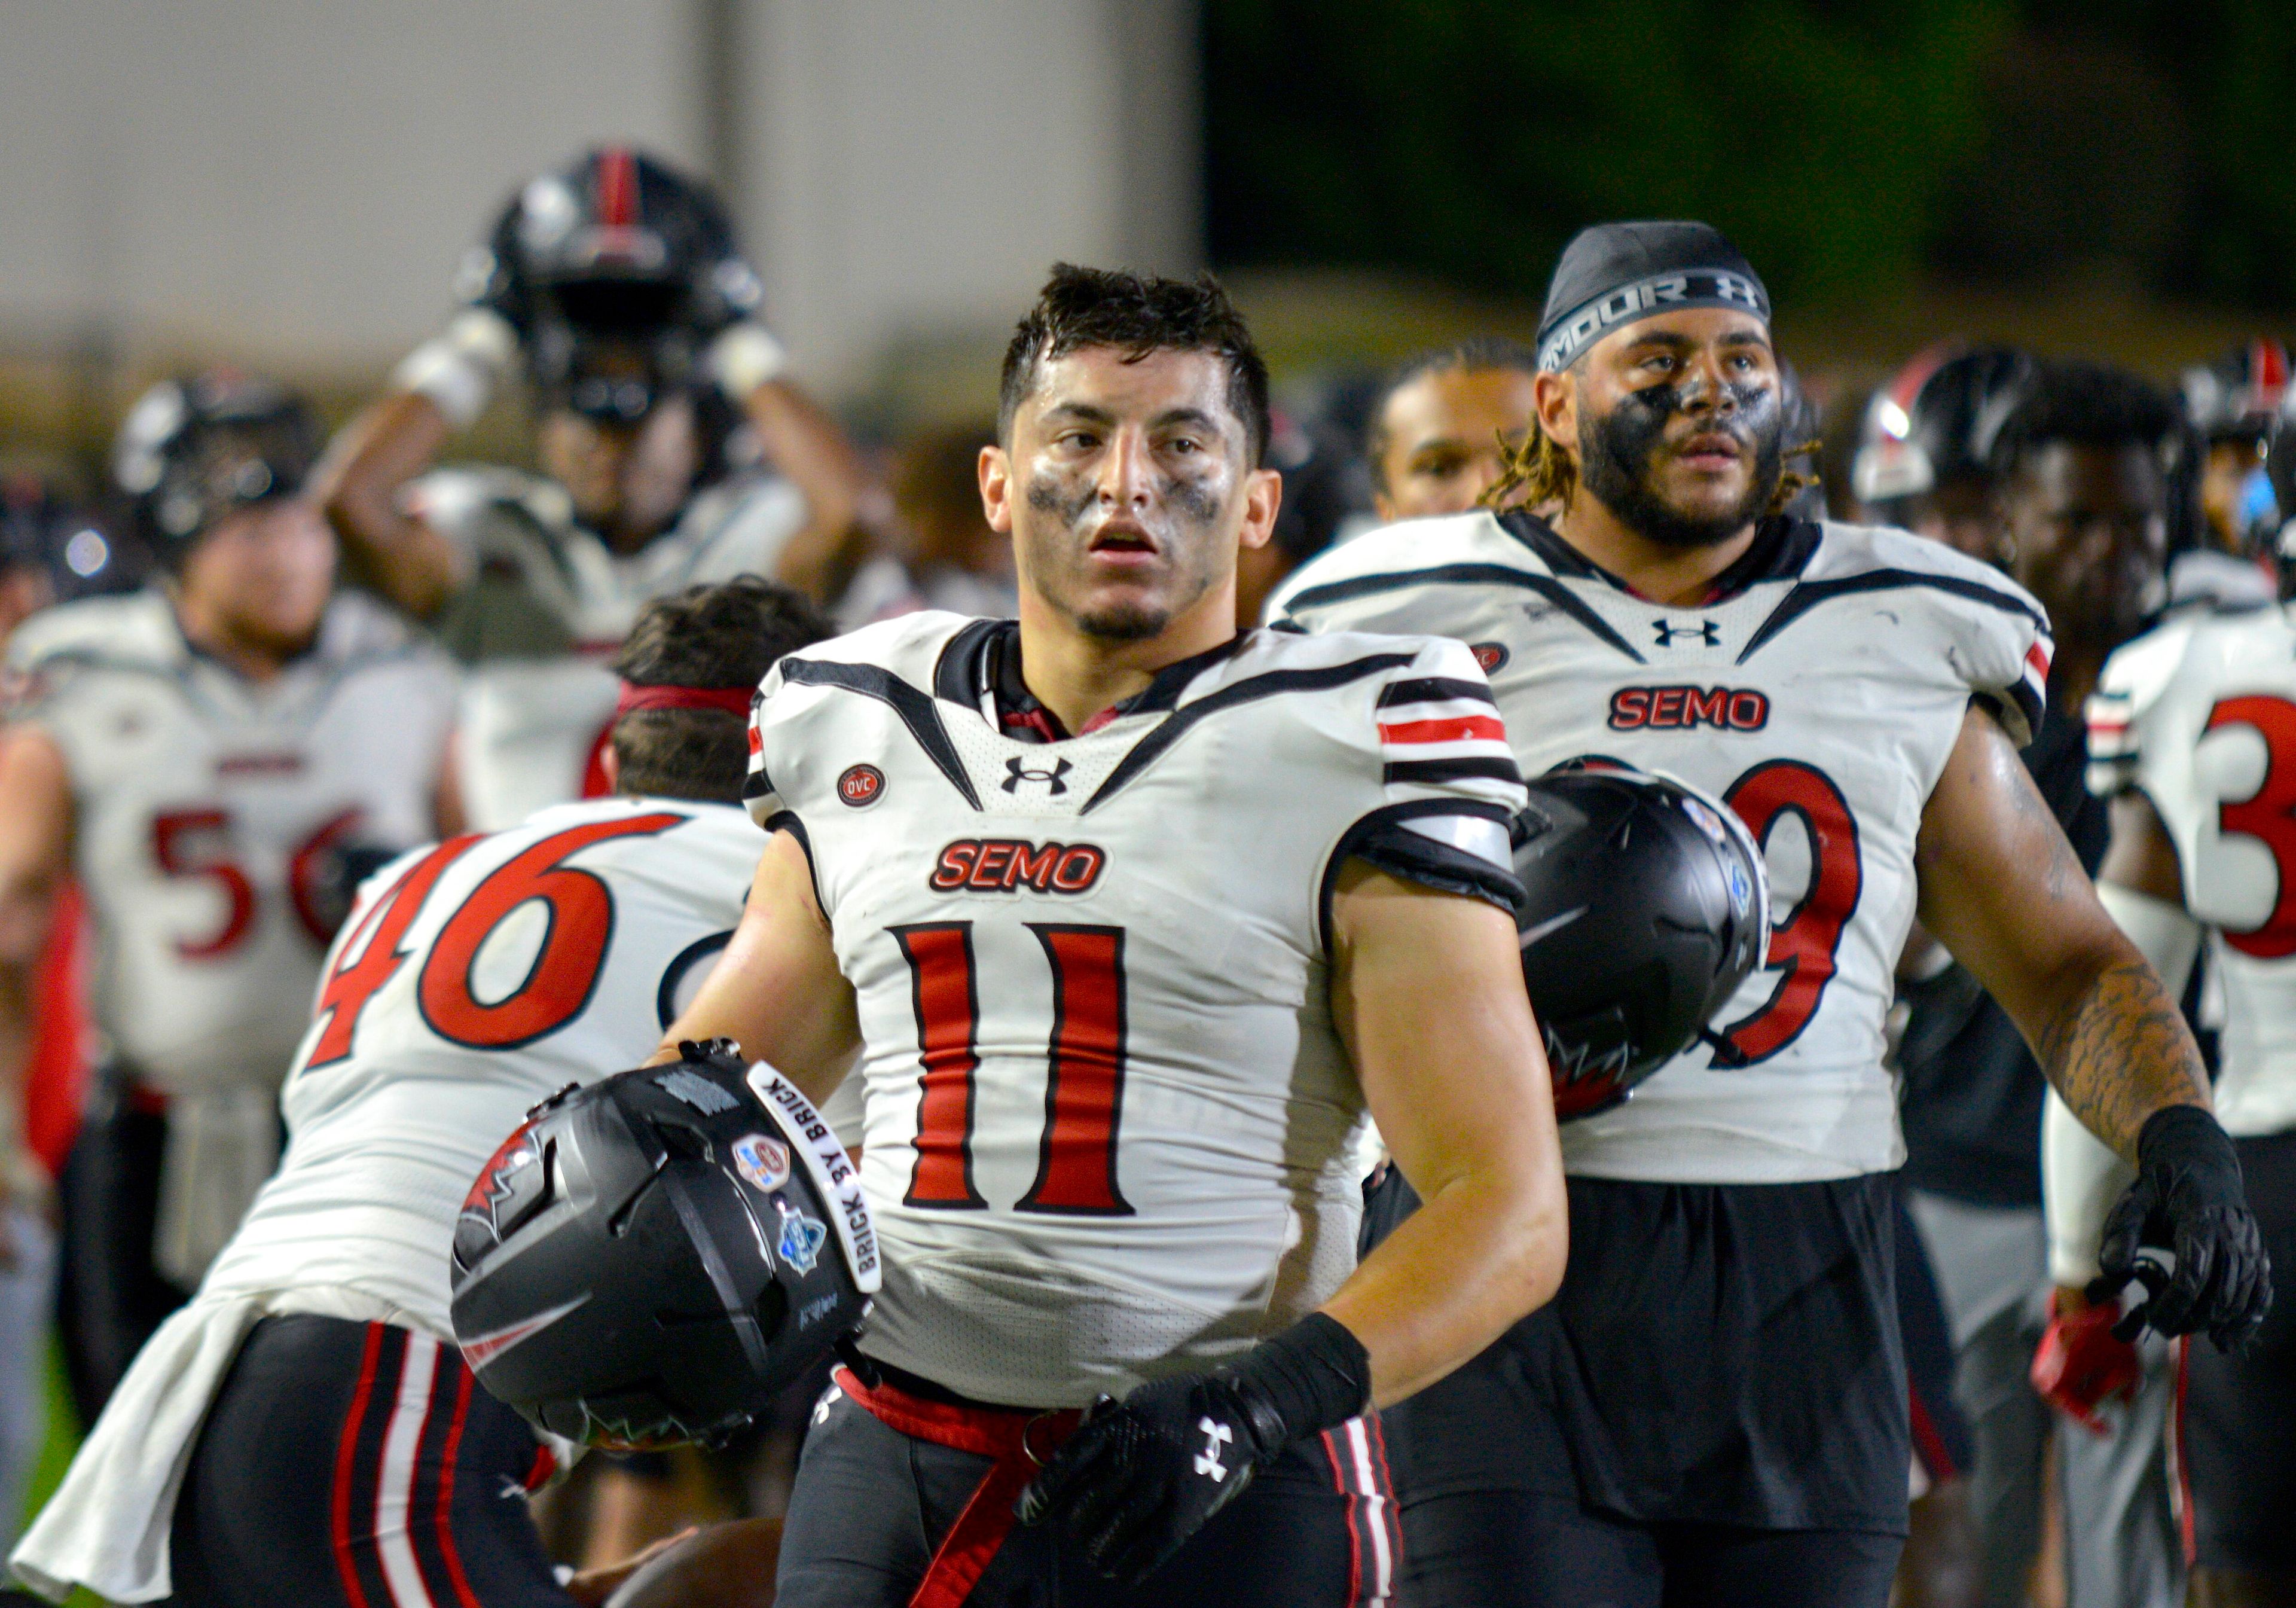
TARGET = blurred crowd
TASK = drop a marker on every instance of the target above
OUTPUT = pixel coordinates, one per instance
(672, 444)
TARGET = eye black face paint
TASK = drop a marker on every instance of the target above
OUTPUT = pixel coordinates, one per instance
(1621, 452)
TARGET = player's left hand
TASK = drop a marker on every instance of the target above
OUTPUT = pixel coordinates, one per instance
(1142, 1475)
(2187, 1200)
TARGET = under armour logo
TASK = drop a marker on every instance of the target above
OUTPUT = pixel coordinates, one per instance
(830, 1397)
(1016, 773)
(1705, 631)
(1216, 1435)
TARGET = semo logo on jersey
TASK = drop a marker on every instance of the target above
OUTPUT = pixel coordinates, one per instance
(1005, 864)
(1684, 708)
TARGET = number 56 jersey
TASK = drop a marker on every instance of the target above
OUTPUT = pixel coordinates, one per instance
(1109, 1121)
(2200, 716)
(1819, 690)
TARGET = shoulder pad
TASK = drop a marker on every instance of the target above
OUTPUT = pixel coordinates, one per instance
(1405, 547)
(462, 502)
(135, 628)
(2128, 688)
(357, 627)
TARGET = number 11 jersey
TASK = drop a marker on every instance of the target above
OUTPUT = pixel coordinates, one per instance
(1110, 1124)
(1819, 690)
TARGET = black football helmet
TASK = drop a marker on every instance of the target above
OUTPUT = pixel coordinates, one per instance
(1648, 905)
(616, 271)
(1935, 420)
(190, 451)
(651, 1260)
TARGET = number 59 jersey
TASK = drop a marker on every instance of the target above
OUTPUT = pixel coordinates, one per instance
(1819, 691)
(474, 978)
(1109, 1123)
(2200, 716)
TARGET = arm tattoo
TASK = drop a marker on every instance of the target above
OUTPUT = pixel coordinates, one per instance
(2118, 1050)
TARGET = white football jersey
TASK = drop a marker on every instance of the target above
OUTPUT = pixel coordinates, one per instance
(2200, 716)
(1108, 1117)
(205, 806)
(1820, 692)
(475, 979)
(549, 604)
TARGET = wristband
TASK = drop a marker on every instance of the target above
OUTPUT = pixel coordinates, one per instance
(458, 369)
(743, 357)
(1314, 1376)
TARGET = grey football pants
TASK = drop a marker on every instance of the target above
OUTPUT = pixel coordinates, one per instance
(2122, 1544)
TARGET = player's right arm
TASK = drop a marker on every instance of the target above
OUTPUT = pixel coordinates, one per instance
(36, 822)
(362, 485)
(776, 990)
(1427, 992)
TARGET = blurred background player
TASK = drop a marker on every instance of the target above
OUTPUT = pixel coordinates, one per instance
(1923, 445)
(212, 758)
(2077, 463)
(2193, 731)
(1443, 425)
(478, 978)
(945, 556)
(672, 449)
(2233, 404)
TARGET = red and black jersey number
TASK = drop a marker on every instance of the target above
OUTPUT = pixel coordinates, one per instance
(580, 913)
(2268, 815)
(1804, 947)
(1084, 1092)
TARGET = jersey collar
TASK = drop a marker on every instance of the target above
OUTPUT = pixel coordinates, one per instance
(1780, 551)
(981, 666)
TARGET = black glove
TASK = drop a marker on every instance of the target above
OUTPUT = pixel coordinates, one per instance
(2187, 1200)
(1140, 1476)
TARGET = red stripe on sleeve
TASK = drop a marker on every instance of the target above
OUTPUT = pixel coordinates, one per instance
(1463, 728)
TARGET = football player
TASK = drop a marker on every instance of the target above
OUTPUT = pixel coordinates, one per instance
(306, 1431)
(656, 389)
(2193, 732)
(1713, 1409)
(1127, 917)
(1441, 427)
(2079, 460)
(211, 759)
(2234, 403)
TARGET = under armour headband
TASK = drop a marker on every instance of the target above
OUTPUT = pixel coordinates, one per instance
(1615, 273)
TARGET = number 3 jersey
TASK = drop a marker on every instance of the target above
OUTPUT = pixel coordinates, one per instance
(1820, 690)
(2200, 716)
(475, 979)
(1109, 1121)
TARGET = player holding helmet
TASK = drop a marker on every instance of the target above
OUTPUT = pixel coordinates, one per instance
(617, 283)
(212, 759)
(306, 1431)
(1713, 1409)
(1127, 916)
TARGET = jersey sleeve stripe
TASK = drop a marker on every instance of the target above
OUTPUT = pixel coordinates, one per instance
(1434, 689)
(1435, 772)
(1456, 729)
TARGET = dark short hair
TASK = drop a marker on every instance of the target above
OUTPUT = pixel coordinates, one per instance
(722, 635)
(1476, 355)
(1108, 307)
(2083, 405)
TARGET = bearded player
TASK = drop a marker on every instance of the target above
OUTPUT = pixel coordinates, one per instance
(674, 447)
(2193, 739)
(305, 1431)
(1713, 1409)
(211, 759)
(1127, 918)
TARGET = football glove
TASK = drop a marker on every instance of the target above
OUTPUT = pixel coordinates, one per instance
(2187, 1200)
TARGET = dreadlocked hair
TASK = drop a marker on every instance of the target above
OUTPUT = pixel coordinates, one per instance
(1537, 474)
(722, 635)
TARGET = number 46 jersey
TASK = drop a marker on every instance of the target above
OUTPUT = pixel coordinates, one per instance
(474, 978)
(2200, 716)
(1819, 690)
(1109, 1123)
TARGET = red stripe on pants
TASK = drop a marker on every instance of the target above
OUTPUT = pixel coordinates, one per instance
(345, 1458)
